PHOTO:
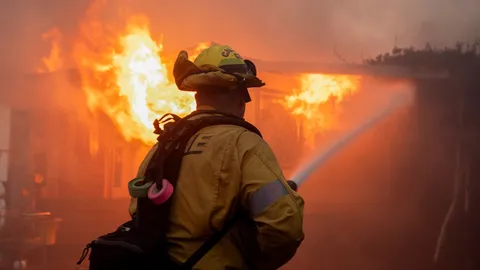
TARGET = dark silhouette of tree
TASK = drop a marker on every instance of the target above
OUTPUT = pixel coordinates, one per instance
(462, 55)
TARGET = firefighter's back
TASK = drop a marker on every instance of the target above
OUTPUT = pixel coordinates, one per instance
(207, 195)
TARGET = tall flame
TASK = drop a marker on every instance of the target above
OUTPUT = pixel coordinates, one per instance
(126, 78)
(316, 101)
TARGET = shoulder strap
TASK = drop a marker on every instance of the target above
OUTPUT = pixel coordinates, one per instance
(209, 244)
(184, 129)
(172, 144)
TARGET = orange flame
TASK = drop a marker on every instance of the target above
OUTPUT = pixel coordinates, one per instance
(126, 78)
(54, 60)
(316, 102)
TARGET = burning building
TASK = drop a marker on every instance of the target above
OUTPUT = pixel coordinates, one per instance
(102, 111)
(85, 130)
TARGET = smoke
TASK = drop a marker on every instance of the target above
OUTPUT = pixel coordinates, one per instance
(371, 105)
(270, 29)
(353, 196)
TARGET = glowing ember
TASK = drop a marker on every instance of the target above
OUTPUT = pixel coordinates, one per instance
(315, 104)
(126, 78)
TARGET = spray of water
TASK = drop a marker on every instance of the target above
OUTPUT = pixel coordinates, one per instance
(327, 152)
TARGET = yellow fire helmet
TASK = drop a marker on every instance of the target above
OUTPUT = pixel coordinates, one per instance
(218, 66)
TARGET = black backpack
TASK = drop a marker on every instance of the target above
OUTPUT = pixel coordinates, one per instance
(141, 243)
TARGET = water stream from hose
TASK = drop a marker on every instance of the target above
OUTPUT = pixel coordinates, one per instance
(325, 153)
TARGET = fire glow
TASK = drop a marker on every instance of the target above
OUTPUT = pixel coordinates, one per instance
(316, 103)
(125, 76)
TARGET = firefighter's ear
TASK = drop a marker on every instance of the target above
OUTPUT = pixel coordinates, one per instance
(251, 67)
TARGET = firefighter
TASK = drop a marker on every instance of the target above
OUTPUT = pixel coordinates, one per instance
(228, 171)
